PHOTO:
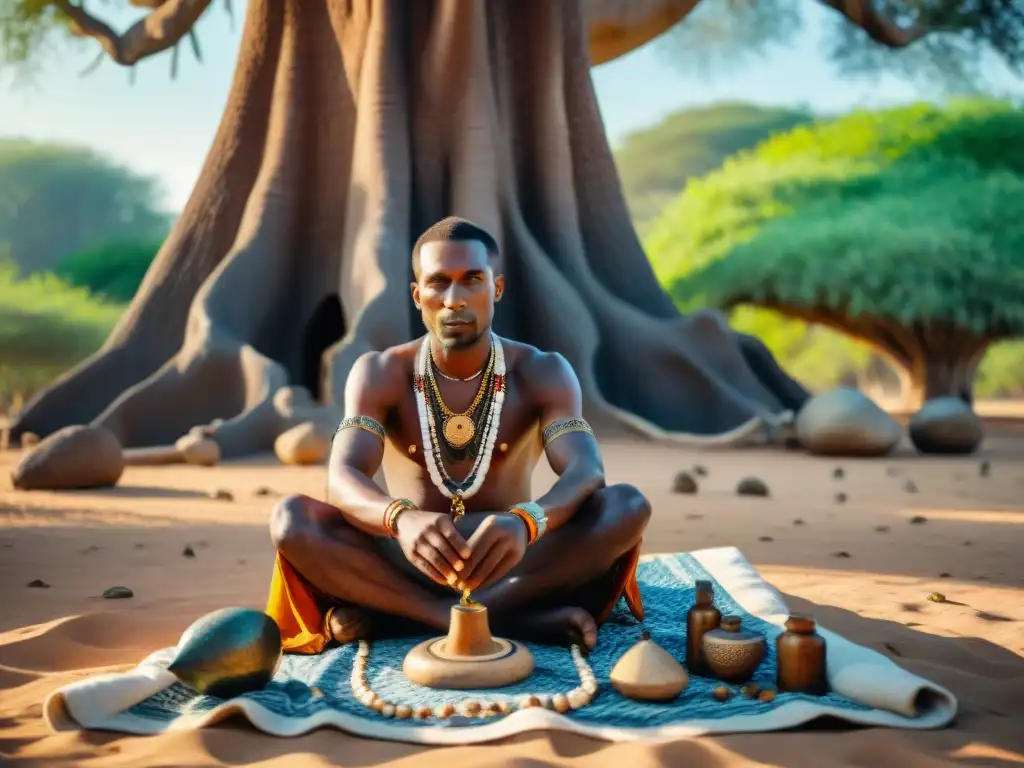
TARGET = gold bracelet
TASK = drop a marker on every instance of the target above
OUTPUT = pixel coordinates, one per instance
(391, 513)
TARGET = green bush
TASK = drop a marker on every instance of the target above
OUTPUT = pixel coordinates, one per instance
(112, 271)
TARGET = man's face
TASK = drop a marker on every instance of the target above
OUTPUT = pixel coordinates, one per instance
(456, 291)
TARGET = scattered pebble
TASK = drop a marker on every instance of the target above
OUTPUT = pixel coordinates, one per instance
(118, 593)
(766, 695)
(140, 546)
(840, 498)
(765, 538)
(695, 517)
(722, 693)
(984, 468)
(699, 470)
(751, 486)
(38, 584)
(910, 607)
(937, 597)
(841, 553)
(882, 528)
(945, 575)
(88, 550)
(263, 491)
(242, 561)
(918, 520)
(223, 494)
(798, 521)
(910, 486)
(751, 690)
(892, 471)
(188, 551)
(684, 483)
(838, 473)
(967, 543)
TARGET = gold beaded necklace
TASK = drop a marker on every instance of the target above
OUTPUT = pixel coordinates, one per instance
(458, 428)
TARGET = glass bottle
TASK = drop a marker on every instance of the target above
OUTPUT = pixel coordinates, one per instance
(701, 618)
(801, 657)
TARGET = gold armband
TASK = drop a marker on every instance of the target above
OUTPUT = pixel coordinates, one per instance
(560, 427)
(391, 513)
(363, 422)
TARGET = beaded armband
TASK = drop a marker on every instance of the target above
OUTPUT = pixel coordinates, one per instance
(560, 427)
(363, 422)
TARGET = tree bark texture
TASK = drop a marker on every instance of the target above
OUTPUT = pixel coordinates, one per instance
(352, 126)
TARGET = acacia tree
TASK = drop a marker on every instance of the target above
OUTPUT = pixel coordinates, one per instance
(902, 229)
(349, 128)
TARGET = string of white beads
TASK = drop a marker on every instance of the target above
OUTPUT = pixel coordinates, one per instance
(577, 698)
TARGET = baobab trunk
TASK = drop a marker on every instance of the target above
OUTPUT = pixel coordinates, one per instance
(350, 127)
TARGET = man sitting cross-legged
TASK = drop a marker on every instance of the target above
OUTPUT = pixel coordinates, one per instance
(458, 419)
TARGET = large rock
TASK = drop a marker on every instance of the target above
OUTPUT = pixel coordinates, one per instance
(73, 457)
(845, 422)
(303, 444)
(946, 425)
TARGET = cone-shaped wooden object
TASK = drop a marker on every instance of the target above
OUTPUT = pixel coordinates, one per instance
(469, 657)
(648, 672)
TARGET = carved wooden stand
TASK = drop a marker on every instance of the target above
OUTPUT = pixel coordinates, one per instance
(469, 656)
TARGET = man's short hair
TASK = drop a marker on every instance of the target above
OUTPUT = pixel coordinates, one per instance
(454, 229)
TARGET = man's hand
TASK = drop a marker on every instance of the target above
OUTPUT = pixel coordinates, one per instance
(497, 546)
(431, 543)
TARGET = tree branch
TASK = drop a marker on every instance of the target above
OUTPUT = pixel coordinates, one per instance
(160, 29)
(880, 29)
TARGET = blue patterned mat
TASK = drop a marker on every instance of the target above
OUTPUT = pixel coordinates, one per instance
(668, 593)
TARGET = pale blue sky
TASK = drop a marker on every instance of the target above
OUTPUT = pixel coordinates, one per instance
(164, 127)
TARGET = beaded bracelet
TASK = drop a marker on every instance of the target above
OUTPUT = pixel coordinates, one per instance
(391, 513)
(531, 526)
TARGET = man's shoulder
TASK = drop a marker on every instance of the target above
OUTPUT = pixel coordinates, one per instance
(386, 370)
(540, 368)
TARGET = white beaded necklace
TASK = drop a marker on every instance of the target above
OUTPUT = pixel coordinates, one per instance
(428, 430)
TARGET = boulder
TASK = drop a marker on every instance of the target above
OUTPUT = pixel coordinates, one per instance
(72, 457)
(946, 425)
(303, 444)
(846, 422)
(197, 449)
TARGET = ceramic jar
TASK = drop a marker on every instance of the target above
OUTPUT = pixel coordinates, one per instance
(801, 657)
(732, 652)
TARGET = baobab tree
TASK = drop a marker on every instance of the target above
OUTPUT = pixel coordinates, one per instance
(350, 126)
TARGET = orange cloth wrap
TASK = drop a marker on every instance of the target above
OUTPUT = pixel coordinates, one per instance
(293, 604)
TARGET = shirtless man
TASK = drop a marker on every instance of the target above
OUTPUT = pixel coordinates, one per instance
(549, 570)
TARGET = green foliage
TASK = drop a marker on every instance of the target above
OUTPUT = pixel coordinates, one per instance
(112, 271)
(25, 28)
(906, 214)
(44, 321)
(1001, 373)
(655, 163)
(57, 199)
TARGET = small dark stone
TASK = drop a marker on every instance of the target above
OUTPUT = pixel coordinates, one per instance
(918, 520)
(263, 491)
(90, 549)
(684, 483)
(765, 538)
(838, 473)
(118, 593)
(140, 545)
(188, 551)
(882, 528)
(699, 470)
(222, 494)
(892, 471)
(967, 543)
(798, 521)
(751, 486)
(38, 584)
(910, 486)
(695, 517)
(945, 575)
(241, 562)
(840, 498)
(841, 553)
(984, 468)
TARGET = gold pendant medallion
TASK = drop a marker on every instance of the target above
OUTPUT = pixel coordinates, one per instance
(459, 430)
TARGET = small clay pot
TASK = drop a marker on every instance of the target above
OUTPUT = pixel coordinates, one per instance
(731, 652)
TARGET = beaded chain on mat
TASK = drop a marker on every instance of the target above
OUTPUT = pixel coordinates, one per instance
(306, 685)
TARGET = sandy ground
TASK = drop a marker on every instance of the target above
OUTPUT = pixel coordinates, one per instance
(864, 567)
